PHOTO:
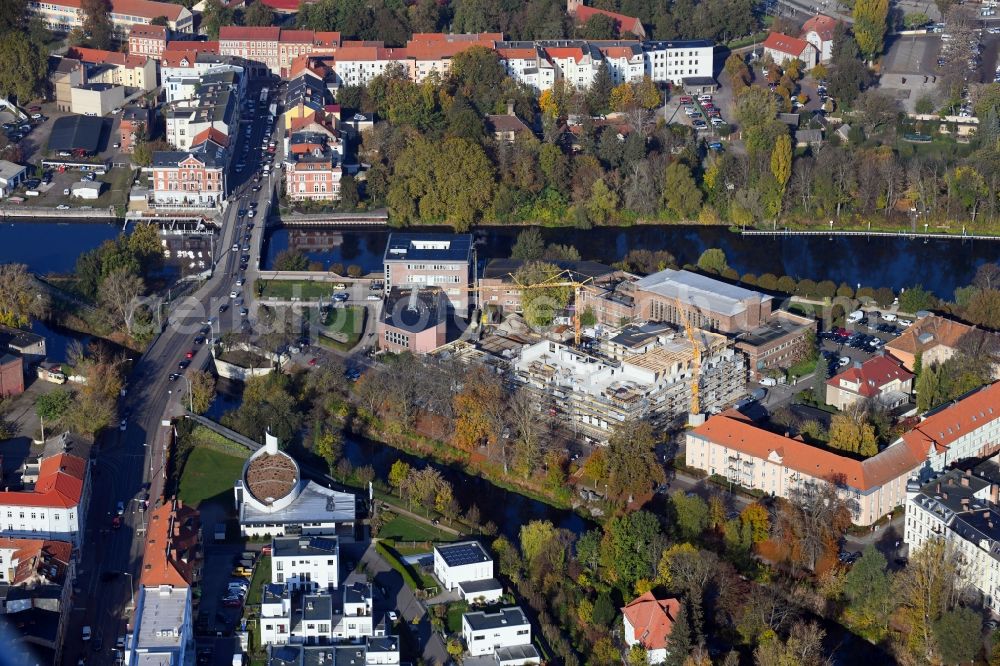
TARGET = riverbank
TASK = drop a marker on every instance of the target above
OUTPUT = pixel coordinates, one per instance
(74, 214)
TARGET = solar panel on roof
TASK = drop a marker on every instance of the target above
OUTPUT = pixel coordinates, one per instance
(462, 554)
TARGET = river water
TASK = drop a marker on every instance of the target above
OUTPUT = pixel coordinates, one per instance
(940, 265)
(51, 247)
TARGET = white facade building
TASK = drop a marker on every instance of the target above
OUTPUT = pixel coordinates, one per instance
(485, 633)
(163, 633)
(382, 651)
(305, 563)
(55, 508)
(462, 561)
(275, 623)
(959, 507)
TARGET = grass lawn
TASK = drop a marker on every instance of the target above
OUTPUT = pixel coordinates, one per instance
(261, 577)
(453, 621)
(802, 368)
(299, 289)
(404, 528)
(208, 474)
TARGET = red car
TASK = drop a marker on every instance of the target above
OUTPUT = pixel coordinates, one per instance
(232, 602)
(685, 100)
(266, 550)
(190, 354)
(312, 361)
(116, 522)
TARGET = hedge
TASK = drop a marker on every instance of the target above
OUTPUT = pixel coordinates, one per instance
(393, 558)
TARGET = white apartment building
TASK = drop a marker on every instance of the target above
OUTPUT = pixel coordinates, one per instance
(184, 73)
(485, 633)
(673, 62)
(64, 15)
(959, 507)
(356, 620)
(55, 508)
(315, 620)
(305, 563)
(163, 631)
(382, 651)
(275, 623)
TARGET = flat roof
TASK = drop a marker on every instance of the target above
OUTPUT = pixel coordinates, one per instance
(76, 133)
(304, 546)
(315, 504)
(505, 617)
(517, 653)
(162, 616)
(428, 247)
(357, 592)
(700, 291)
(504, 269)
(474, 586)
(459, 554)
(317, 607)
(414, 310)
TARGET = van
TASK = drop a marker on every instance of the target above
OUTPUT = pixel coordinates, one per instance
(768, 381)
(704, 98)
(888, 316)
(855, 317)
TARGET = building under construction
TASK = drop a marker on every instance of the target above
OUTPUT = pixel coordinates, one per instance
(644, 372)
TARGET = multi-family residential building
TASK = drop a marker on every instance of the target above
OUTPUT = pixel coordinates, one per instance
(273, 48)
(316, 655)
(64, 15)
(880, 378)
(526, 63)
(357, 63)
(213, 105)
(819, 31)
(305, 563)
(147, 40)
(271, 497)
(55, 507)
(413, 320)
(430, 53)
(485, 633)
(173, 554)
(382, 651)
(439, 260)
(782, 48)
(195, 178)
(135, 124)
(648, 622)
(313, 161)
(36, 597)
(959, 507)
(162, 627)
(188, 74)
(465, 566)
(932, 338)
(66, 74)
(115, 68)
(355, 619)
(275, 623)
(592, 393)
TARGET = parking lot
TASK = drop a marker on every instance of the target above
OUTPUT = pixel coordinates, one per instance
(841, 348)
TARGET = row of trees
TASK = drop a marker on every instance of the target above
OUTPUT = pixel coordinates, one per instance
(23, 52)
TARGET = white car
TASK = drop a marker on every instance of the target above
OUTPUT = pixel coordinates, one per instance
(86, 633)
(844, 360)
(234, 294)
(393, 616)
(62, 207)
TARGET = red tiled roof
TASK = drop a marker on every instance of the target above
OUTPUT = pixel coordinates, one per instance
(820, 24)
(873, 374)
(441, 50)
(942, 428)
(734, 431)
(521, 54)
(617, 51)
(210, 134)
(100, 57)
(60, 484)
(326, 38)
(564, 52)
(282, 5)
(171, 551)
(148, 31)
(793, 46)
(191, 45)
(625, 23)
(935, 331)
(652, 620)
(147, 9)
(249, 33)
(296, 36)
(173, 57)
(33, 554)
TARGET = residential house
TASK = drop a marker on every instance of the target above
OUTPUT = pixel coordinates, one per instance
(162, 627)
(355, 619)
(135, 124)
(271, 497)
(192, 179)
(66, 74)
(581, 13)
(274, 49)
(648, 622)
(173, 554)
(960, 508)
(118, 69)
(305, 563)
(782, 48)
(96, 99)
(819, 31)
(313, 161)
(485, 633)
(64, 15)
(932, 339)
(507, 127)
(467, 567)
(275, 622)
(11, 177)
(147, 40)
(55, 507)
(413, 319)
(440, 260)
(880, 379)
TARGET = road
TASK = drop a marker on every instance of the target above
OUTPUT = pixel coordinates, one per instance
(124, 462)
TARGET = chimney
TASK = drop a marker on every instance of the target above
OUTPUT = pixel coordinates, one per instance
(270, 444)
(965, 481)
(510, 107)
(965, 503)
(944, 496)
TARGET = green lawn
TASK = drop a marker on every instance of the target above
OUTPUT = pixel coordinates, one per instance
(404, 528)
(209, 475)
(802, 368)
(261, 577)
(453, 621)
(307, 290)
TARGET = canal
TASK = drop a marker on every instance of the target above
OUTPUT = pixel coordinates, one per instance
(51, 247)
(875, 262)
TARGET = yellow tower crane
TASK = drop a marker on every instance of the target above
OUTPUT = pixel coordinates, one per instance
(561, 280)
(685, 317)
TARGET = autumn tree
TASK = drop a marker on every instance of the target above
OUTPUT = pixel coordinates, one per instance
(399, 475)
(541, 303)
(477, 409)
(329, 446)
(202, 391)
(781, 161)
(97, 25)
(811, 523)
(870, 25)
(631, 465)
(804, 647)
(120, 294)
(680, 191)
(713, 260)
(21, 299)
(925, 590)
(851, 432)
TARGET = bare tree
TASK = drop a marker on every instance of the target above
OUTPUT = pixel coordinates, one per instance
(120, 294)
(525, 427)
(818, 517)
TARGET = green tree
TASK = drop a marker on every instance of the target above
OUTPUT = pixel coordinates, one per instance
(202, 391)
(870, 26)
(713, 259)
(680, 191)
(258, 14)
(604, 610)
(868, 589)
(634, 545)
(691, 515)
(957, 634)
(599, 94)
(632, 467)
(350, 196)
(51, 406)
(23, 66)
(97, 22)
(603, 203)
(916, 298)
(12, 14)
(20, 297)
(540, 304)
(291, 260)
(329, 446)
(680, 639)
(781, 161)
(399, 475)
(215, 16)
(598, 26)
(529, 246)
(480, 77)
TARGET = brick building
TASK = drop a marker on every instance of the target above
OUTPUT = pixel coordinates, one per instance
(446, 261)
(413, 320)
(135, 122)
(195, 178)
(147, 40)
(11, 376)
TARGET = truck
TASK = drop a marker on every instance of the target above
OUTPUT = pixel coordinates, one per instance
(855, 317)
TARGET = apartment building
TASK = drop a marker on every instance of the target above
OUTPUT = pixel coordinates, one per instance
(54, 507)
(213, 105)
(274, 49)
(147, 40)
(880, 378)
(383, 652)
(64, 15)
(305, 563)
(195, 178)
(355, 618)
(959, 507)
(413, 319)
(934, 339)
(185, 74)
(162, 627)
(313, 162)
(592, 393)
(173, 553)
(120, 69)
(485, 633)
(439, 260)
(135, 124)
